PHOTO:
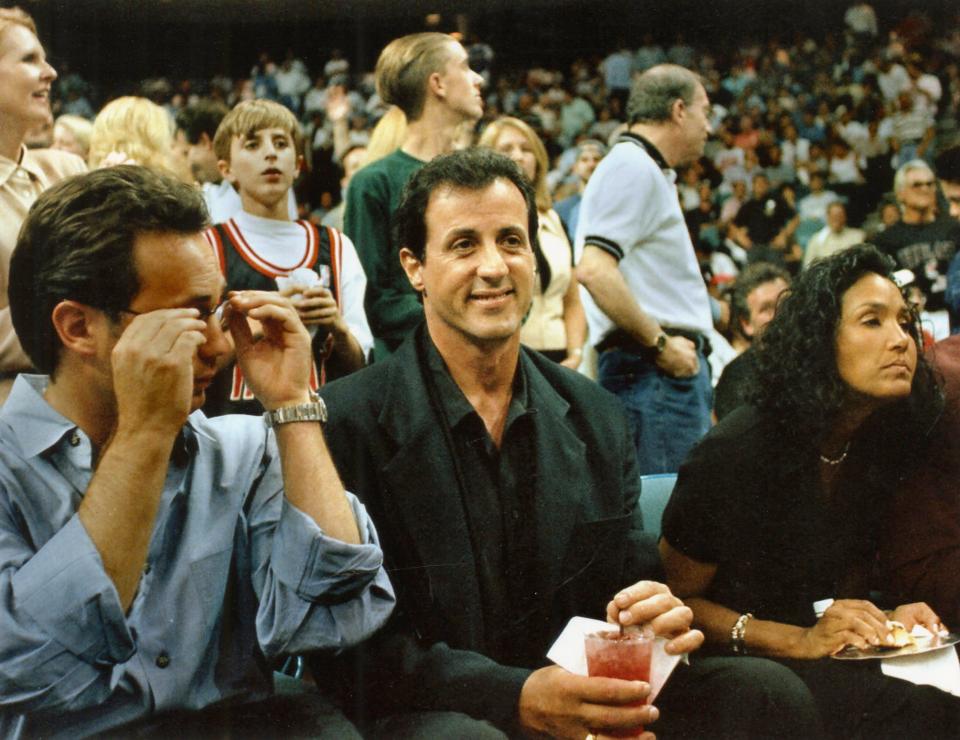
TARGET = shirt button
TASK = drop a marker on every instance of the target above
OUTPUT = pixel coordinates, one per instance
(74, 439)
(163, 660)
(146, 569)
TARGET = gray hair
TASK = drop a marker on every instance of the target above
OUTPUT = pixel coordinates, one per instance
(654, 92)
(899, 180)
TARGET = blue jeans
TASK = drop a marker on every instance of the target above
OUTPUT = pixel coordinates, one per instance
(667, 416)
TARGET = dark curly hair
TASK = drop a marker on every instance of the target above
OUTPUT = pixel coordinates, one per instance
(799, 389)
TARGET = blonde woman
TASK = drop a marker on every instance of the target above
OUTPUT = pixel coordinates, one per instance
(25, 81)
(72, 134)
(556, 325)
(137, 131)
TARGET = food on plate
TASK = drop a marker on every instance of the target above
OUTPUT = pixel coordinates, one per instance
(901, 637)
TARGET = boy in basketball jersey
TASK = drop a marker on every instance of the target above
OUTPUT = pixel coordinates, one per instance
(258, 150)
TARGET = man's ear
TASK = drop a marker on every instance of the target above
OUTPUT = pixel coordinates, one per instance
(414, 269)
(224, 167)
(435, 85)
(678, 110)
(205, 141)
(78, 326)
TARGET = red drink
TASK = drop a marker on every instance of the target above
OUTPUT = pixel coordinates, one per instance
(626, 656)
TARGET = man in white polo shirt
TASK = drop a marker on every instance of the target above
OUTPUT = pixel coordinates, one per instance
(646, 302)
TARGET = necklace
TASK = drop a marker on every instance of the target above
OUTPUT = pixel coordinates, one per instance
(836, 460)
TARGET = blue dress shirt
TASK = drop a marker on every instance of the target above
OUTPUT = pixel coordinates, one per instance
(234, 576)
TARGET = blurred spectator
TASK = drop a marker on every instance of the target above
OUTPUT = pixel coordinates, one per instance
(922, 242)
(72, 134)
(833, 237)
(813, 206)
(616, 69)
(589, 154)
(292, 82)
(753, 302)
(353, 160)
(764, 224)
(948, 170)
(650, 54)
(135, 130)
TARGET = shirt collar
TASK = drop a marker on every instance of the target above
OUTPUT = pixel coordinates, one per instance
(24, 161)
(646, 144)
(38, 427)
(455, 405)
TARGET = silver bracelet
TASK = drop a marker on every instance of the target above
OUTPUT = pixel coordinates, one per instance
(737, 633)
(315, 410)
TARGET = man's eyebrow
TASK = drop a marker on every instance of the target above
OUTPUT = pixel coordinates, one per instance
(460, 232)
(512, 229)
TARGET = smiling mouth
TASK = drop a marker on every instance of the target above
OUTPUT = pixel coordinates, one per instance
(491, 297)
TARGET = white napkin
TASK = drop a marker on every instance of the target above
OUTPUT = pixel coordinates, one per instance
(939, 667)
(568, 652)
(303, 278)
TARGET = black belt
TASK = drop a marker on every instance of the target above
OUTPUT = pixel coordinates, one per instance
(619, 339)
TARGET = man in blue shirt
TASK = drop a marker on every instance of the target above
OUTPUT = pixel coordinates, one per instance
(153, 561)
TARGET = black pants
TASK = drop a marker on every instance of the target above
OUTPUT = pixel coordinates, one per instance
(856, 700)
(735, 699)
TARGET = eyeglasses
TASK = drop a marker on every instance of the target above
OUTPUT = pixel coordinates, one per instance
(206, 314)
(923, 184)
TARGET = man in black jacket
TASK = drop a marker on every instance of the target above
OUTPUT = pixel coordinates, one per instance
(505, 487)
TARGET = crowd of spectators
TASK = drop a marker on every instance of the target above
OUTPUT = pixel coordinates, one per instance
(821, 119)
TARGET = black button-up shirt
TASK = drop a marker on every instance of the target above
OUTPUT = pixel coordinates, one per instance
(497, 489)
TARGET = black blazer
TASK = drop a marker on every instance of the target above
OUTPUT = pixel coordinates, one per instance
(387, 443)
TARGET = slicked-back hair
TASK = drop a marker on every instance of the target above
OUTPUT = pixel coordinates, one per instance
(655, 91)
(405, 65)
(77, 244)
(800, 391)
(202, 117)
(251, 116)
(468, 169)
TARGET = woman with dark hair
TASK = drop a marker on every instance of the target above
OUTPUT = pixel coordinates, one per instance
(770, 536)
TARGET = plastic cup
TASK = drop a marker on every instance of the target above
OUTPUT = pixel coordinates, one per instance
(615, 655)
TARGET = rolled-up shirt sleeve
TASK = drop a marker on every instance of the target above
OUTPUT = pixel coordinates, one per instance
(315, 592)
(62, 627)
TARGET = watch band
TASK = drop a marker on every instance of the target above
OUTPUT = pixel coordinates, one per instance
(314, 410)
